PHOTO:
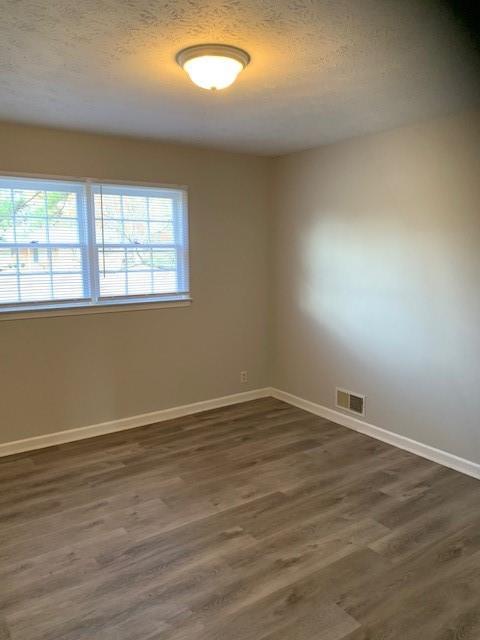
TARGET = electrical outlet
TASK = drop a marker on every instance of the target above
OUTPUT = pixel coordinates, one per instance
(243, 377)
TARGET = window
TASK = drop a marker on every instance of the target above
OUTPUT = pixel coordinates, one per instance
(83, 244)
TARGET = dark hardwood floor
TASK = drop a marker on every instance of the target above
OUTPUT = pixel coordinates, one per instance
(252, 522)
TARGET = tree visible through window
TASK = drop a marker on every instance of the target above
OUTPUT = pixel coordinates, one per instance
(86, 243)
(40, 243)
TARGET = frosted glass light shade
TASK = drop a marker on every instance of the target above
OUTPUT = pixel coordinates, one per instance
(213, 66)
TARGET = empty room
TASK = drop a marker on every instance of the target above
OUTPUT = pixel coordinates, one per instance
(239, 320)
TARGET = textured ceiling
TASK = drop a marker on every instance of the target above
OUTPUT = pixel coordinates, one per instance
(321, 70)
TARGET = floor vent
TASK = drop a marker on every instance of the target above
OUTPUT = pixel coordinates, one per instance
(354, 402)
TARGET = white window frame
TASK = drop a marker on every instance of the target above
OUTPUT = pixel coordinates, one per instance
(97, 303)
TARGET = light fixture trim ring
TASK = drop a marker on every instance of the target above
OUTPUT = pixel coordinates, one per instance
(223, 50)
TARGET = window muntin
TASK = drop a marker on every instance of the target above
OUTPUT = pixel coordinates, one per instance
(84, 244)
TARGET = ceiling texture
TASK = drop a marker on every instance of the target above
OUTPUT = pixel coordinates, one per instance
(321, 70)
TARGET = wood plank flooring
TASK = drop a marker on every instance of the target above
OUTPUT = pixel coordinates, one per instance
(252, 522)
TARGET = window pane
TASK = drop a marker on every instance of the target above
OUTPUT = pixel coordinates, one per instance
(107, 205)
(68, 286)
(112, 265)
(164, 260)
(112, 260)
(113, 284)
(138, 272)
(164, 281)
(161, 209)
(161, 232)
(30, 229)
(63, 230)
(135, 231)
(36, 218)
(31, 260)
(6, 217)
(111, 233)
(8, 261)
(135, 207)
(29, 202)
(140, 283)
(35, 288)
(66, 260)
(139, 260)
(61, 204)
(6, 230)
(8, 288)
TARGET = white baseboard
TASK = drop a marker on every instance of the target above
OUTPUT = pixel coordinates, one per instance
(81, 433)
(402, 442)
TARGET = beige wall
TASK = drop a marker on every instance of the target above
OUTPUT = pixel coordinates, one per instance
(377, 278)
(60, 373)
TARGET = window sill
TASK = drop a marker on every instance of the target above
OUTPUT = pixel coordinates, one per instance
(97, 309)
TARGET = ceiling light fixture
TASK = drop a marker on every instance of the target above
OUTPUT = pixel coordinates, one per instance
(213, 66)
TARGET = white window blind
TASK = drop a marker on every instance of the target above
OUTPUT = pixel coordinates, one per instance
(81, 243)
(141, 243)
(43, 249)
